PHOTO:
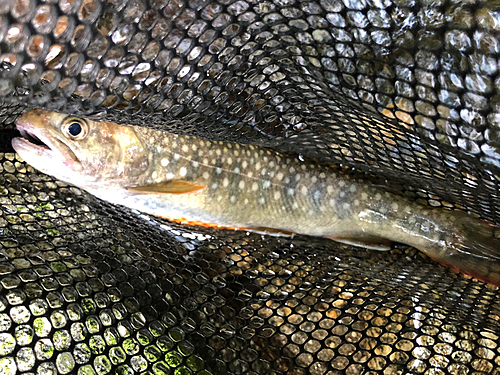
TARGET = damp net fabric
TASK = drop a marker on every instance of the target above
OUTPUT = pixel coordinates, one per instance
(404, 91)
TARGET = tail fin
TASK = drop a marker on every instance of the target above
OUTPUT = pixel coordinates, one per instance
(472, 249)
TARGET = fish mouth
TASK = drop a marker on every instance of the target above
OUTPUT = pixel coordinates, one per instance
(32, 139)
(35, 141)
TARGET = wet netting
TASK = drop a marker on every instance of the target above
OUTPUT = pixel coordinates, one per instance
(405, 91)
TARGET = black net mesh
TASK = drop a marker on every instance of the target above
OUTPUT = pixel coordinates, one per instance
(402, 90)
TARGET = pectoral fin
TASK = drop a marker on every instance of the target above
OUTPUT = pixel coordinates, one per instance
(363, 240)
(167, 187)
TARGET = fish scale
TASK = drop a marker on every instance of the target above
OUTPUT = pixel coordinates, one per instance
(259, 182)
(186, 178)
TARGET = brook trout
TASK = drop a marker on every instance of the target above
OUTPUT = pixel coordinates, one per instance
(246, 187)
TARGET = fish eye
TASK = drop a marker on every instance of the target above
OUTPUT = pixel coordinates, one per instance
(75, 128)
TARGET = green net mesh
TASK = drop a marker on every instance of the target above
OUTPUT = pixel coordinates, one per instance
(405, 91)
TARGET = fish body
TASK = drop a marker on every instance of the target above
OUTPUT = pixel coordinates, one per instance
(246, 187)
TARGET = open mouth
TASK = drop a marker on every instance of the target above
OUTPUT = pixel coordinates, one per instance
(36, 141)
(32, 138)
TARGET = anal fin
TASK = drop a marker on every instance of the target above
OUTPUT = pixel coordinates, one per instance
(363, 240)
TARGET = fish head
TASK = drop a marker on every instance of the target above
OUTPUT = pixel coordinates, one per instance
(80, 151)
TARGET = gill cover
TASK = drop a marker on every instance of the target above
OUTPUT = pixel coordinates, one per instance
(106, 149)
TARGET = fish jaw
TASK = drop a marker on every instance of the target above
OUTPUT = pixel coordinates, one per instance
(45, 152)
(46, 160)
(27, 126)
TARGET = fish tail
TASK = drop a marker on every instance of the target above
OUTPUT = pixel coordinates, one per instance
(471, 248)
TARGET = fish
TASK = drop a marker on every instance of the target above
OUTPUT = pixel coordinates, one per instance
(238, 186)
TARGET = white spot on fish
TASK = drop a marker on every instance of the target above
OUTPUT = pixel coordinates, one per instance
(346, 206)
(217, 152)
(271, 164)
(383, 210)
(329, 189)
(277, 195)
(341, 183)
(185, 148)
(342, 194)
(295, 205)
(232, 199)
(200, 153)
(322, 175)
(255, 186)
(164, 162)
(214, 185)
(194, 147)
(303, 190)
(394, 206)
(236, 153)
(297, 177)
(196, 164)
(266, 184)
(356, 202)
(245, 201)
(225, 182)
(364, 196)
(287, 180)
(241, 185)
(292, 170)
(205, 161)
(229, 160)
(303, 167)
(262, 200)
(244, 164)
(236, 170)
(154, 175)
(331, 202)
(352, 188)
(206, 175)
(378, 196)
(257, 166)
(280, 176)
(170, 176)
(314, 179)
(291, 191)
(177, 156)
(183, 171)
(317, 194)
(218, 170)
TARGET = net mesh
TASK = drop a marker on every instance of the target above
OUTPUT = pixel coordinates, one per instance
(402, 90)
